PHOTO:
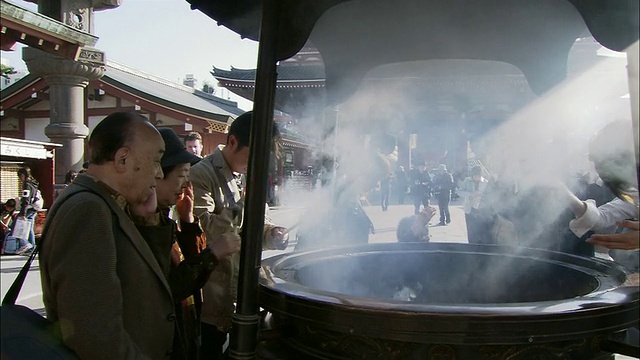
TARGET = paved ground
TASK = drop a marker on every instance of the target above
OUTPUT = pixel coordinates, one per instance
(384, 222)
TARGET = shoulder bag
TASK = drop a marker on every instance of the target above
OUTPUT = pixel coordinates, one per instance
(25, 334)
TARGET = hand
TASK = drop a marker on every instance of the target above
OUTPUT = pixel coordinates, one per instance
(184, 205)
(144, 212)
(278, 238)
(625, 241)
(419, 226)
(425, 215)
(225, 245)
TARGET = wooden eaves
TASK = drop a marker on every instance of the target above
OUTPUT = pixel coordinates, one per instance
(42, 32)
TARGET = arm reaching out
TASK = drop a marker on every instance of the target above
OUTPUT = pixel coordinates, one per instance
(624, 241)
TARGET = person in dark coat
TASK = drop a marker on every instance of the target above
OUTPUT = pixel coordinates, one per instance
(420, 187)
(30, 203)
(102, 286)
(443, 182)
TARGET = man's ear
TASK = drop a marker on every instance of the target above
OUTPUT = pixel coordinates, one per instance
(121, 158)
(232, 143)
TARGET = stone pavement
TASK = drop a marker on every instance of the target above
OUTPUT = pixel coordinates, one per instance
(384, 222)
(31, 293)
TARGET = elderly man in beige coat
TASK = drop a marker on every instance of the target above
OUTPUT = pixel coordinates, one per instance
(101, 283)
(218, 204)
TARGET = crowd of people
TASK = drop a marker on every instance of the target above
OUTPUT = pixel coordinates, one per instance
(139, 253)
(421, 186)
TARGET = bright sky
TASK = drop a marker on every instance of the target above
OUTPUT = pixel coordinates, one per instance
(167, 39)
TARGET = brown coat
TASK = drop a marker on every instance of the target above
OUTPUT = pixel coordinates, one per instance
(215, 190)
(101, 283)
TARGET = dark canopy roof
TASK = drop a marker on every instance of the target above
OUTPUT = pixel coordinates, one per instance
(358, 35)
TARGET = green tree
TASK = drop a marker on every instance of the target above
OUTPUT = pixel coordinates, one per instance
(6, 71)
(208, 88)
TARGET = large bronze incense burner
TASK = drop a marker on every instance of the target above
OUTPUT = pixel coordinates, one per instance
(446, 301)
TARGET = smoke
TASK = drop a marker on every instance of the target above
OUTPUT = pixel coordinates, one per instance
(544, 148)
(535, 154)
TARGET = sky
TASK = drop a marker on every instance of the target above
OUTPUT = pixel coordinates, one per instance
(165, 38)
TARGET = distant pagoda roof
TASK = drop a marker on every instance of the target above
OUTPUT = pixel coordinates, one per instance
(437, 83)
(288, 76)
(304, 70)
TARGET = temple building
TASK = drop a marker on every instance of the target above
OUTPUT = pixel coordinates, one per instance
(474, 95)
(47, 115)
(26, 110)
(61, 51)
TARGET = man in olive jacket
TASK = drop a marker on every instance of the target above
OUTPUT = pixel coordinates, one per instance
(218, 204)
(101, 284)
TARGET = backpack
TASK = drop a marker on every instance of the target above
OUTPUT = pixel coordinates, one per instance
(37, 201)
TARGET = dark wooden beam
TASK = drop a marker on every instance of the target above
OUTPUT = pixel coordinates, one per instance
(13, 31)
(10, 101)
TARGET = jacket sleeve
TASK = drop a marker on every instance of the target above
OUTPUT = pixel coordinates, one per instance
(602, 219)
(27, 201)
(191, 239)
(268, 242)
(192, 273)
(81, 273)
(215, 218)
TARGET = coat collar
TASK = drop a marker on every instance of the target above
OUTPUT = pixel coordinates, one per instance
(125, 223)
(218, 161)
(224, 175)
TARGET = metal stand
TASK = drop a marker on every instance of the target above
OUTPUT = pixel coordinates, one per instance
(244, 333)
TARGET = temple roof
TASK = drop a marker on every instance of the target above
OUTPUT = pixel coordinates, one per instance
(146, 86)
(286, 74)
(189, 102)
(165, 92)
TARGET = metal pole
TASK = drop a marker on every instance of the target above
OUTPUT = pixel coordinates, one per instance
(245, 322)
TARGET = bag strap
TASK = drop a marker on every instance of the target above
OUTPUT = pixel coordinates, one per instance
(12, 294)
